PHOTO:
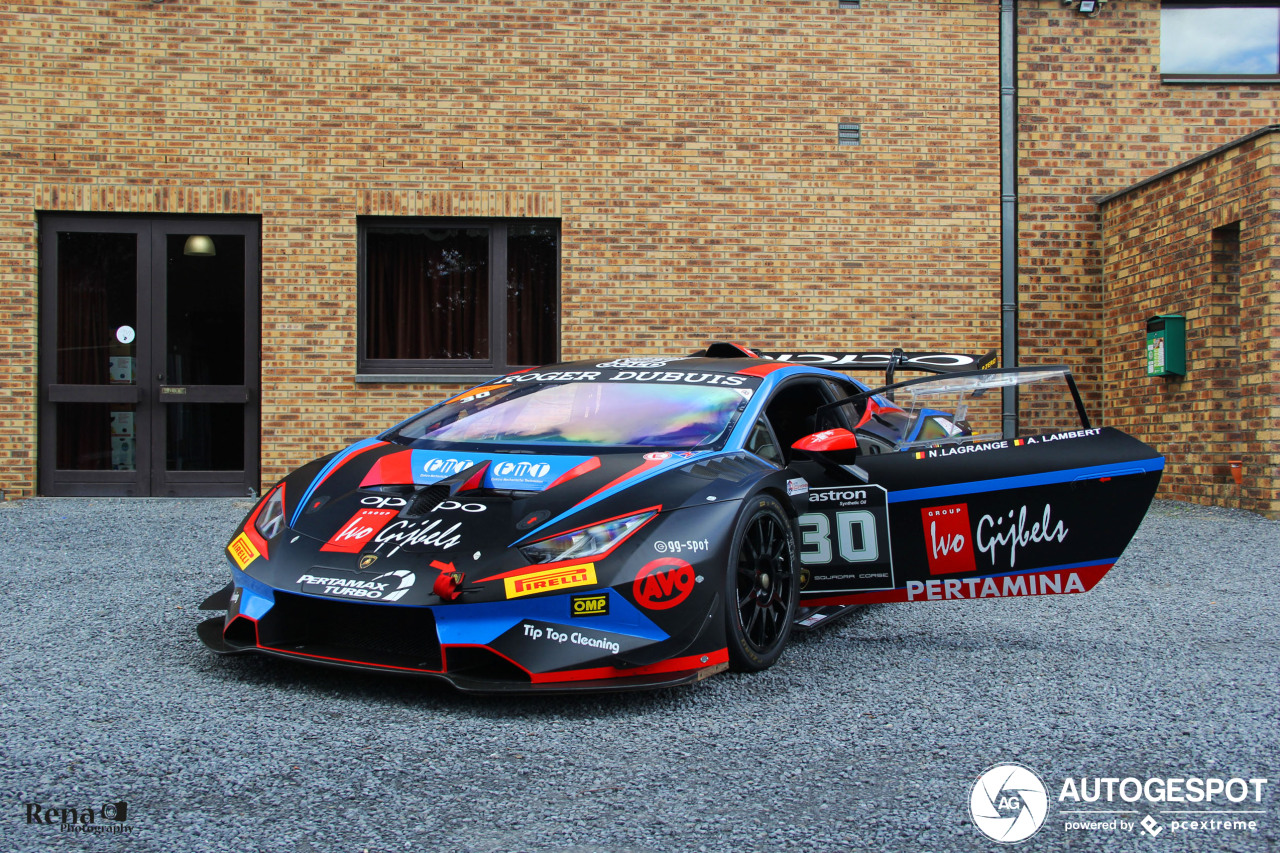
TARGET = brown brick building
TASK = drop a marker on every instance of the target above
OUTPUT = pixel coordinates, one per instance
(574, 177)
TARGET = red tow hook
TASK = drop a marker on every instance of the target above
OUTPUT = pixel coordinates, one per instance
(448, 583)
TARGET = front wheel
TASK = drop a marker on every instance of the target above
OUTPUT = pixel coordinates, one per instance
(762, 585)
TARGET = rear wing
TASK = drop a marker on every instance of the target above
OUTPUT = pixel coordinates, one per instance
(889, 362)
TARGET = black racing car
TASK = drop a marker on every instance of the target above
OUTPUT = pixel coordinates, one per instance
(643, 522)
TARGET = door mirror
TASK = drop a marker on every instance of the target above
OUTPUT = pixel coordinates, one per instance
(831, 442)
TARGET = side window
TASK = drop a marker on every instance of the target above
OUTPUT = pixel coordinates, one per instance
(840, 417)
(793, 412)
(761, 443)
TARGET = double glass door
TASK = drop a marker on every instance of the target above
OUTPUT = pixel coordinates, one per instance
(148, 356)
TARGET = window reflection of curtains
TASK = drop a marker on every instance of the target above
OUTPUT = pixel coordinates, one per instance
(92, 269)
(428, 294)
(84, 333)
(533, 262)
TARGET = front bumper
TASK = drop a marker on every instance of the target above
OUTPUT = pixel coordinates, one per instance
(482, 648)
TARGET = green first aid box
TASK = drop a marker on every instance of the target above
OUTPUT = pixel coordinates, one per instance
(1167, 345)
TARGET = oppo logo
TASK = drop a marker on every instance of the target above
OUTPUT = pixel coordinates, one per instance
(383, 502)
(446, 506)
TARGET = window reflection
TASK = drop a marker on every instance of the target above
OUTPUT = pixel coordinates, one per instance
(1219, 40)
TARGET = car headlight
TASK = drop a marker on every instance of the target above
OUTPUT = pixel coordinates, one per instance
(587, 542)
(270, 520)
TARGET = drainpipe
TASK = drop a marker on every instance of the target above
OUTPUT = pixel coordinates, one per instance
(1009, 207)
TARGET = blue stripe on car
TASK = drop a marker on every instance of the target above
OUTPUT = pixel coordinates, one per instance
(482, 623)
(324, 472)
(1048, 478)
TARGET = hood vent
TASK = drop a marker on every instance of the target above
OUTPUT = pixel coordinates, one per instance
(427, 499)
(733, 469)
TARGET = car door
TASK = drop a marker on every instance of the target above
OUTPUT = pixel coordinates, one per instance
(955, 510)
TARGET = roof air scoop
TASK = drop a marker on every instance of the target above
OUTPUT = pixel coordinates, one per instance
(467, 480)
(723, 349)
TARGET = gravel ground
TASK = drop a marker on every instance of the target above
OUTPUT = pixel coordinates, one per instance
(866, 736)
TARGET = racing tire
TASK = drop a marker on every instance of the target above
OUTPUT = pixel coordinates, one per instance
(762, 586)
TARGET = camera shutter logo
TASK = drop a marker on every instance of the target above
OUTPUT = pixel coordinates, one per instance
(1008, 803)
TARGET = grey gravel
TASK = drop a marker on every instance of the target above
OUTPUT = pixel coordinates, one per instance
(866, 736)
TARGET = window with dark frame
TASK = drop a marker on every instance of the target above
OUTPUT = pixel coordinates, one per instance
(457, 297)
(1219, 42)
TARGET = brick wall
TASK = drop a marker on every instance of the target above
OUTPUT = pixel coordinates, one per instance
(1201, 242)
(1096, 118)
(688, 148)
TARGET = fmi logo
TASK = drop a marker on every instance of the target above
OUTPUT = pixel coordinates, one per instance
(596, 604)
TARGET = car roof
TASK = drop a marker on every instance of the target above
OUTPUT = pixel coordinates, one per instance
(672, 364)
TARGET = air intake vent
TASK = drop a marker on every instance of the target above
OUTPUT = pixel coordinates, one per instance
(850, 4)
(426, 500)
(732, 469)
(850, 134)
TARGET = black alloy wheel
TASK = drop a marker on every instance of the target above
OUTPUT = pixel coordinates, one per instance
(763, 586)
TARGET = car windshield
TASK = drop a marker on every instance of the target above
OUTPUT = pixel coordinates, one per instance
(618, 414)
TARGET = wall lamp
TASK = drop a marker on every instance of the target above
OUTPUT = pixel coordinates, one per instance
(1090, 8)
(199, 246)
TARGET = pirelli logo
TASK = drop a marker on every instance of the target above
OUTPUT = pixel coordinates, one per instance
(243, 551)
(551, 580)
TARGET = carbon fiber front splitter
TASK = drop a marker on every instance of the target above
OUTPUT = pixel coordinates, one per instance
(688, 671)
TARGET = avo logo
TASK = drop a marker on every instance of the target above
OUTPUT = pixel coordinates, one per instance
(663, 583)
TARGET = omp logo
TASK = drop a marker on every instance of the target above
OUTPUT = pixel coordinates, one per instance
(948, 540)
(596, 604)
(1008, 803)
(663, 583)
(522, 470)
(549, 580)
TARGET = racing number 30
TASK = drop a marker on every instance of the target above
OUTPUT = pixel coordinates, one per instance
(855, 537)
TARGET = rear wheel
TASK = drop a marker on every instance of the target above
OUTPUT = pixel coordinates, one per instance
(762, 586)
